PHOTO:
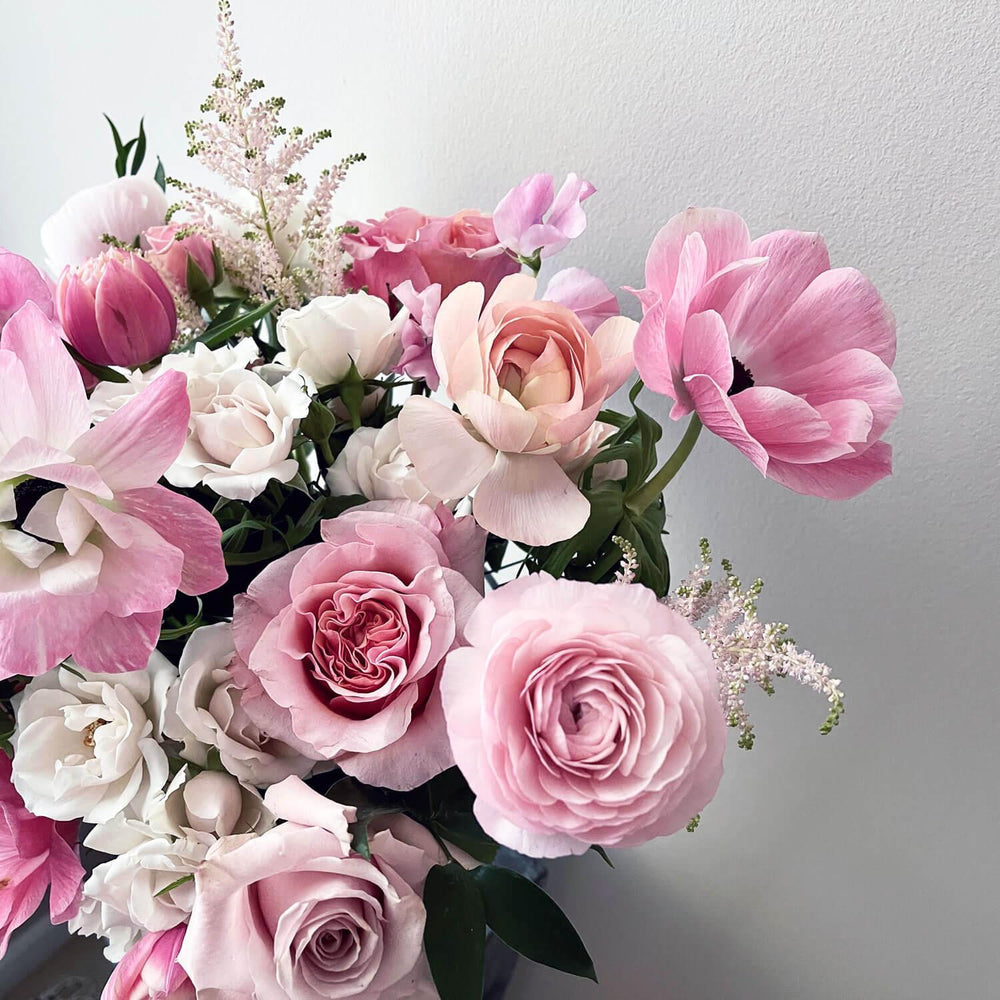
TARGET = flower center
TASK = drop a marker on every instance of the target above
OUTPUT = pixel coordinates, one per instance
(88, 732)
(742, 378)
(27, 494)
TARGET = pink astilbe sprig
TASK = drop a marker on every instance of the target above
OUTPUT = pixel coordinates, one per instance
(747, 651)
(276, 241)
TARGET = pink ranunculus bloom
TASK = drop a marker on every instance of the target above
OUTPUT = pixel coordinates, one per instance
(339, 644)
(295, 914)
(426, 250)
(37, 856)
(532, 217)
(150, 971)
(116, 310)
(92, 549)
(528, 380)
(583, 714)
(123, 208)
(416, 360)
(170, 255)
(20, 282)
(776, 352)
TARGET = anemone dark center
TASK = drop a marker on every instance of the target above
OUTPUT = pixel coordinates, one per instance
(28, 493)
(742, 377)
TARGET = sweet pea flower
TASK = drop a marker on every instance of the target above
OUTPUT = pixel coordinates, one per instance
(784, 357)
(582, 714)
(531, 218)
(20, 282)
(116, 310)
(416, 360)
(150, 970)
(425, 250)
(123, 208)
(169, 252)
(92, 549)
(528, 380)
(583, 293)
(36, 856)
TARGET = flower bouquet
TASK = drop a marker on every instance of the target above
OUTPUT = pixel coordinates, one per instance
(331, 563)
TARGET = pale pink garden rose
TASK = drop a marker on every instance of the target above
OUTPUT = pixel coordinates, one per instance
(583, 714)
(533, 218)
(150, 970)
(92, 549)
(123, 208)
(20, 282)
(783, 357)
(36, 856)
(340, 643)
(116, 310)
(528, 380)
(295, 914)
(425, 250)
(170, 254)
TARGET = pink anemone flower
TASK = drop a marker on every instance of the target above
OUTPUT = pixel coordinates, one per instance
(776, 352)
(92, 549)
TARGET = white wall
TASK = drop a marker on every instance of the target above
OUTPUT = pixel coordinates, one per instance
(858, 865)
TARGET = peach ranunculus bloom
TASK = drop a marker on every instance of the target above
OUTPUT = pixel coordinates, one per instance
(528, 380)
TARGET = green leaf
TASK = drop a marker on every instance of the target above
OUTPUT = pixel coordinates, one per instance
(463, 830)
(140, 147)
(102, 372)
(352, 392)
(218, 333)
(528, 920)
(602, 854)
(455, 932)
(198, 284)
(121, 163)
(318, 423)
(118, 145)
(174, 885)
(160, 175)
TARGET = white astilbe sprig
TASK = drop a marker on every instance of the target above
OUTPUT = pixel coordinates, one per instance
(276, 241)
(747, 651)
(630, 560)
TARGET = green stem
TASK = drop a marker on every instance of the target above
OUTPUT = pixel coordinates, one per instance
(649, 492)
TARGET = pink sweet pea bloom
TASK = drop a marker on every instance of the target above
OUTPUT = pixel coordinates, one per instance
(520, 219)
(149, 971)
(20, 282)
(583, 293)
(581, 714)
(92, 549)
(425, 250)
(37, 856)
(528, 380)
(339, 643)
(170, 255)
(417, 360)
(777, 353)
(116, 310)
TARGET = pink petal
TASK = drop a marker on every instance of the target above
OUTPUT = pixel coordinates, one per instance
(117, 645)
(139, 442)
(614, 339)
(652, 358)
(718, 414)
(529, 499)
(455, 347)
(585, 294)
(841, 479)
(20, 282)
(520, 208)
(135, 325)
(66, 874)
(706, 349)
(185, 524)
(507, 426)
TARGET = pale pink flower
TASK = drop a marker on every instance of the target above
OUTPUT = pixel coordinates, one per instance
(425, 250)
(170, 254)
(91, 548)
(36, 856)
(777, 353)
(532, 217)
(584, 293)
(295, 914)
(339, 643)
(116, 310)
(582, 714)
(150, 970)
(417, 360)
(123, 208)
(20, 282)
(528, 380)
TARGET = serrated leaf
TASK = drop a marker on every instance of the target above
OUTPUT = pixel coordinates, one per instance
(455, 932)
(527, 919)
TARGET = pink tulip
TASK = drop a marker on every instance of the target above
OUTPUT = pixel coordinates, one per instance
(116, 310)
(777, 353)
(20, 282)
(92, 547)
(37, 856)
(170, 255)
(532, 217)
(150, 970)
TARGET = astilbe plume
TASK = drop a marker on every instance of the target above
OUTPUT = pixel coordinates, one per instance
(747, 651)
(276, 241)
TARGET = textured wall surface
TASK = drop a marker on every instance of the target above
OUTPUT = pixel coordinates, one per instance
(858, 865)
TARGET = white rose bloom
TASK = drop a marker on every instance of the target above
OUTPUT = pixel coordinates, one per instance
(324, 336)
(125, 896)
(205, 711)
(86, 747)
(242, 423)
(374, 464)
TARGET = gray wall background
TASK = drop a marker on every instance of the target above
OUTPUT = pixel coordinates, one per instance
(863, 864)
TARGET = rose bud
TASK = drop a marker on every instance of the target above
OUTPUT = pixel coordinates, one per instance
(214, 802)
(170, 254)
(116, 310)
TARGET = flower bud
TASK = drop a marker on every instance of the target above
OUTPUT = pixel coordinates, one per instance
(170, 255)
(214, 803)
